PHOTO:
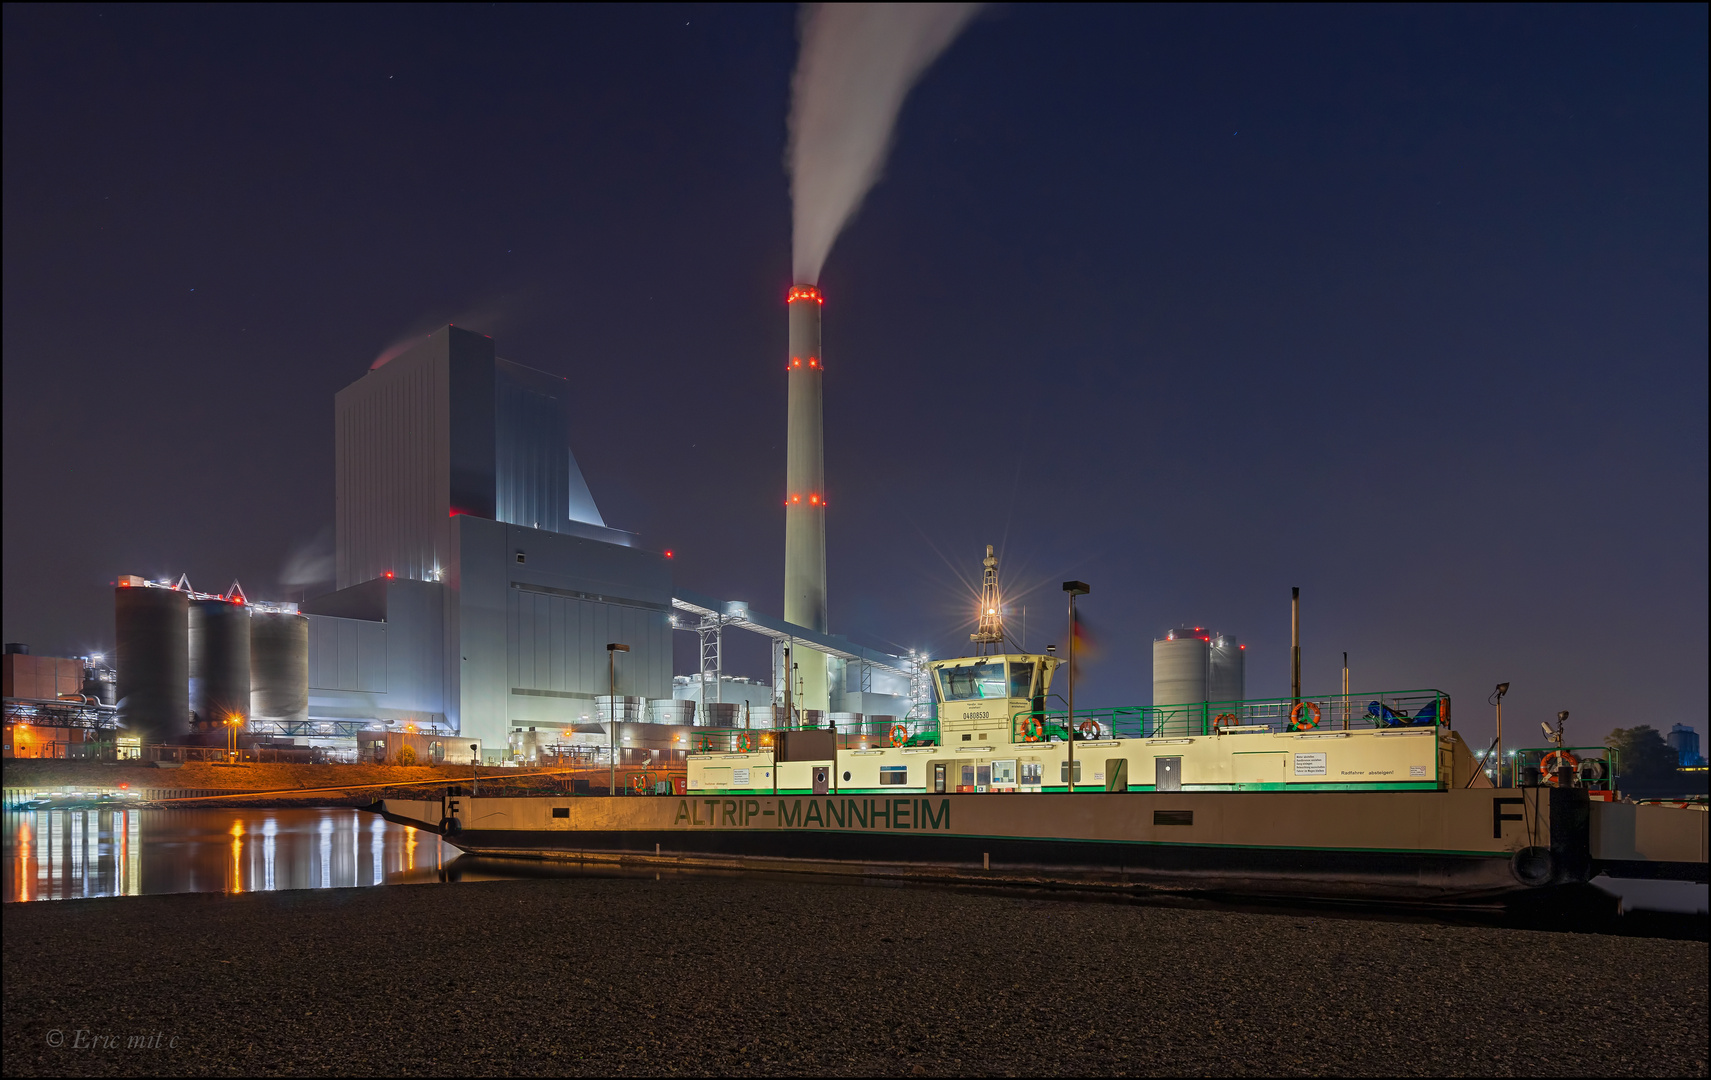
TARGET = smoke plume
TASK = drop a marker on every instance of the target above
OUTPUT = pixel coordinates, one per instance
(857, 64)
(312, 563)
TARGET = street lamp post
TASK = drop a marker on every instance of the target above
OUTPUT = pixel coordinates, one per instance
(1074, 589)
(612, 651)
(1497, 699)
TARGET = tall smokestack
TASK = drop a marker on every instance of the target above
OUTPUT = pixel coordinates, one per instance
(805, 501)
(805, 468)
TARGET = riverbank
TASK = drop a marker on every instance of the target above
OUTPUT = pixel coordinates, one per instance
(700, 976)
(274, 784)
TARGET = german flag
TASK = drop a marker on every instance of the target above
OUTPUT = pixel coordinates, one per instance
(1086, 647)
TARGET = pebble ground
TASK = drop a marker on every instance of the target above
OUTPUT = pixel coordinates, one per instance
(736, 976)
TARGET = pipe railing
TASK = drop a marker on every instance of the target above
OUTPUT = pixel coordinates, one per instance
(1345, 712)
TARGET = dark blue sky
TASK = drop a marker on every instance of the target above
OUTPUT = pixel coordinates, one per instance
(1405, 306)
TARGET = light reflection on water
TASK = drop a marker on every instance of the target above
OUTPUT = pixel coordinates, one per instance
(66, 854)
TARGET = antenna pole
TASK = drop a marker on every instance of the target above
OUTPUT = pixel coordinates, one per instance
(1295, 645)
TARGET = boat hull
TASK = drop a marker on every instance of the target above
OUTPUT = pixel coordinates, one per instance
(1432, 847)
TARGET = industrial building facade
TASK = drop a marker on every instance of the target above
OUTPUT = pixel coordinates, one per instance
(477, 584)
(477, 590)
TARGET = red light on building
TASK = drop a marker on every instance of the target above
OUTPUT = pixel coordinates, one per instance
(804, 292)
(795, 498)
(813, 500)
(389, 573)
(668, 553)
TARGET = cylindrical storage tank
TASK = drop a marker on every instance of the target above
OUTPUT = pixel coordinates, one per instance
(847, 722)
(671, 711)
(219, 663)
(1179, 668)
(880, 726)
(631, 710)
(723, 714)
(98, 684)
(153, 660)
(761, 716)
(279, 666)
(1226, 671)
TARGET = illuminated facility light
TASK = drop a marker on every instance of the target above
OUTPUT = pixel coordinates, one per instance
(804, 292)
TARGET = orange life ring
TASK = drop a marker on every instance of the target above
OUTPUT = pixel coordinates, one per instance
(899, 734)
(1224, 720)
(1554, 760)
(1089, 729)
(638, 782)
(1295, 722)
(1032, 729)
(745, 742)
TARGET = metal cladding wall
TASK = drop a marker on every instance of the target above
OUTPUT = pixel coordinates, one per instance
(219, 663)
(530, 636)
(1179, 670)
(279, 666)
(1226, 670)
(538, 482)
(377, 652)
(43, 677)
(415, 445)
(153, 657)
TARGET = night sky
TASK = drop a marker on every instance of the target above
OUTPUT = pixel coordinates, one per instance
(1403, 306)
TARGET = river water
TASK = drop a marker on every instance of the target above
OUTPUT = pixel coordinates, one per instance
(69, 854)
(65, 854)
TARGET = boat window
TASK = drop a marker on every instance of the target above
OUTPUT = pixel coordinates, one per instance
(1021, 680)
(893, 774)
(973, 682)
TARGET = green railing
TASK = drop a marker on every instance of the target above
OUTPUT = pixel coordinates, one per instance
(721, 740)
(1594, 767)
(1331, 712)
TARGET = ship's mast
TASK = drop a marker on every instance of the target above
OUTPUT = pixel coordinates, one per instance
(988, 636)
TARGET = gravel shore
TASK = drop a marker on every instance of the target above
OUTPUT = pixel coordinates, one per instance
(701, 976)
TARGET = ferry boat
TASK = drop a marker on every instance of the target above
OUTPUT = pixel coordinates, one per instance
(1343, 796)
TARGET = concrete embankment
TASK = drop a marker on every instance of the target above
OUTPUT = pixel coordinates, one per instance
(712, 976)
(273, 785)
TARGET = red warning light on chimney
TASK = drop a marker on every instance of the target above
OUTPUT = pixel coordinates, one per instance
(804, 292)
(668, 553)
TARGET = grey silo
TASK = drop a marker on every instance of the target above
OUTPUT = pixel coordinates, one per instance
(219, 644)
(1180, 668)
(153, 659)
(279, 666)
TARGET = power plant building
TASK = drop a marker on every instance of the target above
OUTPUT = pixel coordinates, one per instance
(477, 584)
